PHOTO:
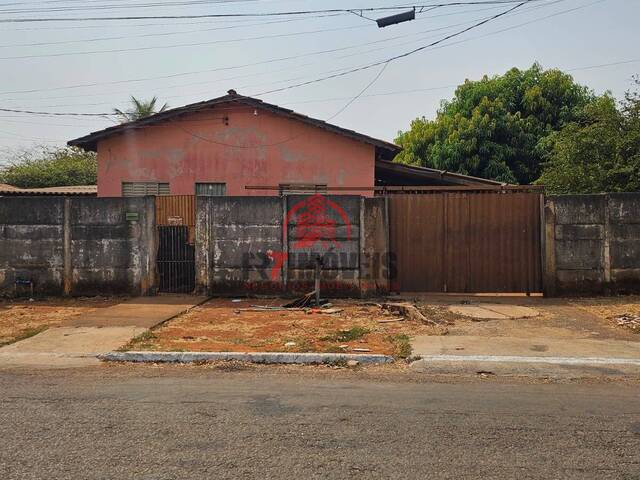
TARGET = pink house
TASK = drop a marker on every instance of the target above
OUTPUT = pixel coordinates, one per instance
(233, 144)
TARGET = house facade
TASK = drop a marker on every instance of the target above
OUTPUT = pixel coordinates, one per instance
(241, 146)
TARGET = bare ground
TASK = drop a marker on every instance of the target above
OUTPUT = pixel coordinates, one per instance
(21, 319)
(221, 325)
(589, 317)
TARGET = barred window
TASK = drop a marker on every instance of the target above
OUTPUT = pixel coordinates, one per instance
(211, 189)
(141, 189)
(301, 188)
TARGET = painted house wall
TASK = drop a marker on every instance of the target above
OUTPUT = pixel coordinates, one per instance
(262, 149)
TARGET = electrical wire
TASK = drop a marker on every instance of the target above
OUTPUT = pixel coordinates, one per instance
(254, 14)
(180, 45)
(402, 55)
(348, 104)
(218, 69)
(74, 114)
(162, 34)
(386, 62)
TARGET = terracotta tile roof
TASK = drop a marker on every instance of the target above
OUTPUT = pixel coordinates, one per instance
(90, 142)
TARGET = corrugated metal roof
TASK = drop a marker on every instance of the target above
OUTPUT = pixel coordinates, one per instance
(90, 142)
(403, 174)
(64, 190)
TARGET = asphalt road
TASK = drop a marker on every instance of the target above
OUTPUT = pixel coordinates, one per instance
(177, 422)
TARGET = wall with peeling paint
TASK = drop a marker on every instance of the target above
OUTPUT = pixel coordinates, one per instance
(235, 145)
(592, 243)
(269, 244)
(77, 246)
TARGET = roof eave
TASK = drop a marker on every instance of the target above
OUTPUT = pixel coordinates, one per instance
(90, 142)
(425, 172)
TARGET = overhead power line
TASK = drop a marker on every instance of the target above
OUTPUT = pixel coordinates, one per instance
(384, 62)
(180, 45)
(254, 14)
(162, 34)
(32, 112)
(235, 67)
(402, 55)
(87, 7)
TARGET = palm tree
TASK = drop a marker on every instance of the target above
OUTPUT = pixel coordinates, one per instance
(140, 109)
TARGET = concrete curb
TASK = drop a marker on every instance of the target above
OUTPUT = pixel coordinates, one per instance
(560, 367)
(584, 361)
(252, 357)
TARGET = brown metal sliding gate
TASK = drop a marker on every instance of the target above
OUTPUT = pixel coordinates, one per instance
(467, 241)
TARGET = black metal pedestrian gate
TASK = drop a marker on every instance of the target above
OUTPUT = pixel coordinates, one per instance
(175, 260)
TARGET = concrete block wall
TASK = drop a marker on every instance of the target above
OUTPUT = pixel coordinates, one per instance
(377, 267)
(32, 243)
(235, 237)
(110, 254)
(592, 243)
(339, 248)
(77, 245)
(264, 245)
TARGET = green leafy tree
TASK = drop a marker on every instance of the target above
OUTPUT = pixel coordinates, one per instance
(599, 152)
(50, 167)
(493, 127)
(140, 109)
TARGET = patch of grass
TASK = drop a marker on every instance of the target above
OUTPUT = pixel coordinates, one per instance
(347, 335)
(401, 345)
(302, 345)
(333, 349)
(143, 341)
(340, 362)
(439, 314)
(24, 334)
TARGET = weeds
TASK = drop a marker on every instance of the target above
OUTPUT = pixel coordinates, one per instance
(333, 349)
(303, 346)
(401, 345)
(347, 335)
(143, 341)
(24, 334)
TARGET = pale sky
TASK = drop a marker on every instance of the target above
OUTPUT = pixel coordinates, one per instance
(567, 34)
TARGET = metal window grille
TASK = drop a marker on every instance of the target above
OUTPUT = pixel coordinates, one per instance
(301, 189)
(211, 189)
(140, 189)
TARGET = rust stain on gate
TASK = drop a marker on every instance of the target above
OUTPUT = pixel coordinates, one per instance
(467, 242)
(174, 210)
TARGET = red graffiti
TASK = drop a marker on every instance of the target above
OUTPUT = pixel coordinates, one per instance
(278, 259)
(314, 224)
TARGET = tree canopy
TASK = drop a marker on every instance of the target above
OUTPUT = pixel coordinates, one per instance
(50, 167)
(140, 109)
(493, 127)
(598, 152)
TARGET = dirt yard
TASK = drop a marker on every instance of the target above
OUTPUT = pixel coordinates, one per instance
(224, 325)
(622, 311)
(588, 317)
(20, 319)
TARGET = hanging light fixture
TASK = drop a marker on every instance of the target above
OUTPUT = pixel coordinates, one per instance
(397, 18)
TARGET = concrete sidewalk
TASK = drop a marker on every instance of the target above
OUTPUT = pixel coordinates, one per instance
(78, 342)
(145, 312)
(525, 356)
